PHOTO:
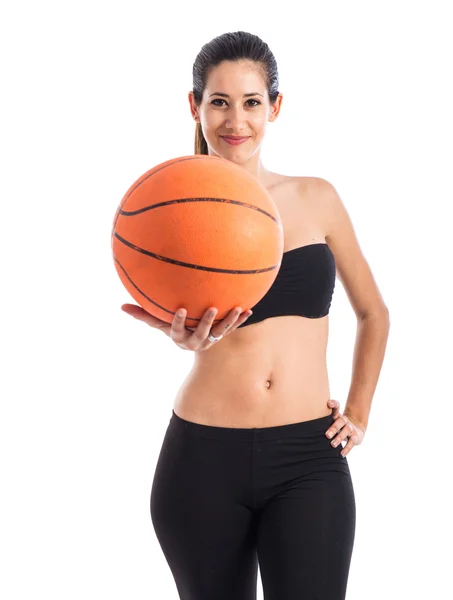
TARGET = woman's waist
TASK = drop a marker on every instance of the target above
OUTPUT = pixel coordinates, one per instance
(242, 366)
(254, 397)
(242, 372)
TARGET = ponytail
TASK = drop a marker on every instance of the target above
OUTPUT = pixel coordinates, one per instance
(201, 146)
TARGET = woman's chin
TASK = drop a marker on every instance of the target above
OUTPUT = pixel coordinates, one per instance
(234, 155)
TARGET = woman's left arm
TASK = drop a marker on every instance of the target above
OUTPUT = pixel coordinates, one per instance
(373, 318)
(371, 341)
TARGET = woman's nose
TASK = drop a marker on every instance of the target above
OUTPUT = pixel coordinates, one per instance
(235, 119)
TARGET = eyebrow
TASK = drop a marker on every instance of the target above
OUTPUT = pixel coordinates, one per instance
(226, 95)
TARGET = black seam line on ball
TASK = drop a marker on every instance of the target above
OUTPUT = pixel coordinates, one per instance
(170, 312)
(193, 266)
(156, 170)
(127, 213)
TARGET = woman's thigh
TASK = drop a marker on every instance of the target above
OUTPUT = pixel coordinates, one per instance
(202, 517)
(305, 537)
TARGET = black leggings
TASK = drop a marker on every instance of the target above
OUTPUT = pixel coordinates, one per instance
(225, 500)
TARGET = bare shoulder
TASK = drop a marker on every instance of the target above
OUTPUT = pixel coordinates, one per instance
(317, 189)
(353, 269)
(325, 201)
(292, 186)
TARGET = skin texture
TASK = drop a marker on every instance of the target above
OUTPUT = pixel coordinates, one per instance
(274, 372)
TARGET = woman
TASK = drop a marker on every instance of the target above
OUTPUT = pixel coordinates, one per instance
(252, 469)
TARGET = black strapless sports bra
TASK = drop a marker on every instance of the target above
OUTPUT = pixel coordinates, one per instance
(304, 285)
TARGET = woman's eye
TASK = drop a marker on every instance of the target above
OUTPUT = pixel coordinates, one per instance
(251, 100)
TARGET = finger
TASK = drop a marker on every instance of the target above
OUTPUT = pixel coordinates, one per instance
(204, 326)
(346, 431)
(226, 324)
(245, 315)
(348, 447)
(133, 310)
(178, 331)
(335, 405)
(141, 314)
(336, 426)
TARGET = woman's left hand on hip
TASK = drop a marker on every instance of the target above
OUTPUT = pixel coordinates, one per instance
(344, 428)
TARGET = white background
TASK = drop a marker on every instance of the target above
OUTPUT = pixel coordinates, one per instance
(93, 95)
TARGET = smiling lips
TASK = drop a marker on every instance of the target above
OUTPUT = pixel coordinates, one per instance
(234, 140)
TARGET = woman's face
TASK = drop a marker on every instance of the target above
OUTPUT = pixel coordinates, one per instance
(235, 103)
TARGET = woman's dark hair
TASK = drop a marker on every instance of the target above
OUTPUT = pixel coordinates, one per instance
(235, 46)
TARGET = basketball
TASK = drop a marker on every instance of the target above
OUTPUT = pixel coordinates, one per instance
(194, 232)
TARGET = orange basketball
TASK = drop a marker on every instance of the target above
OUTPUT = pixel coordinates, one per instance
(194, 232)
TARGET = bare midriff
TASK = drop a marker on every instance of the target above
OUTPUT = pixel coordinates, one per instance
(262, 375)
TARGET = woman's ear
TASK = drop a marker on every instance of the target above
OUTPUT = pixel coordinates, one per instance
(275, 108)
(193, 106)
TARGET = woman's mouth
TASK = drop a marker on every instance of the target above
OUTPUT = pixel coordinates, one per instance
(234, 140)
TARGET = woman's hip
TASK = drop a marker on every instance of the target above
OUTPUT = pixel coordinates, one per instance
(245, 465)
